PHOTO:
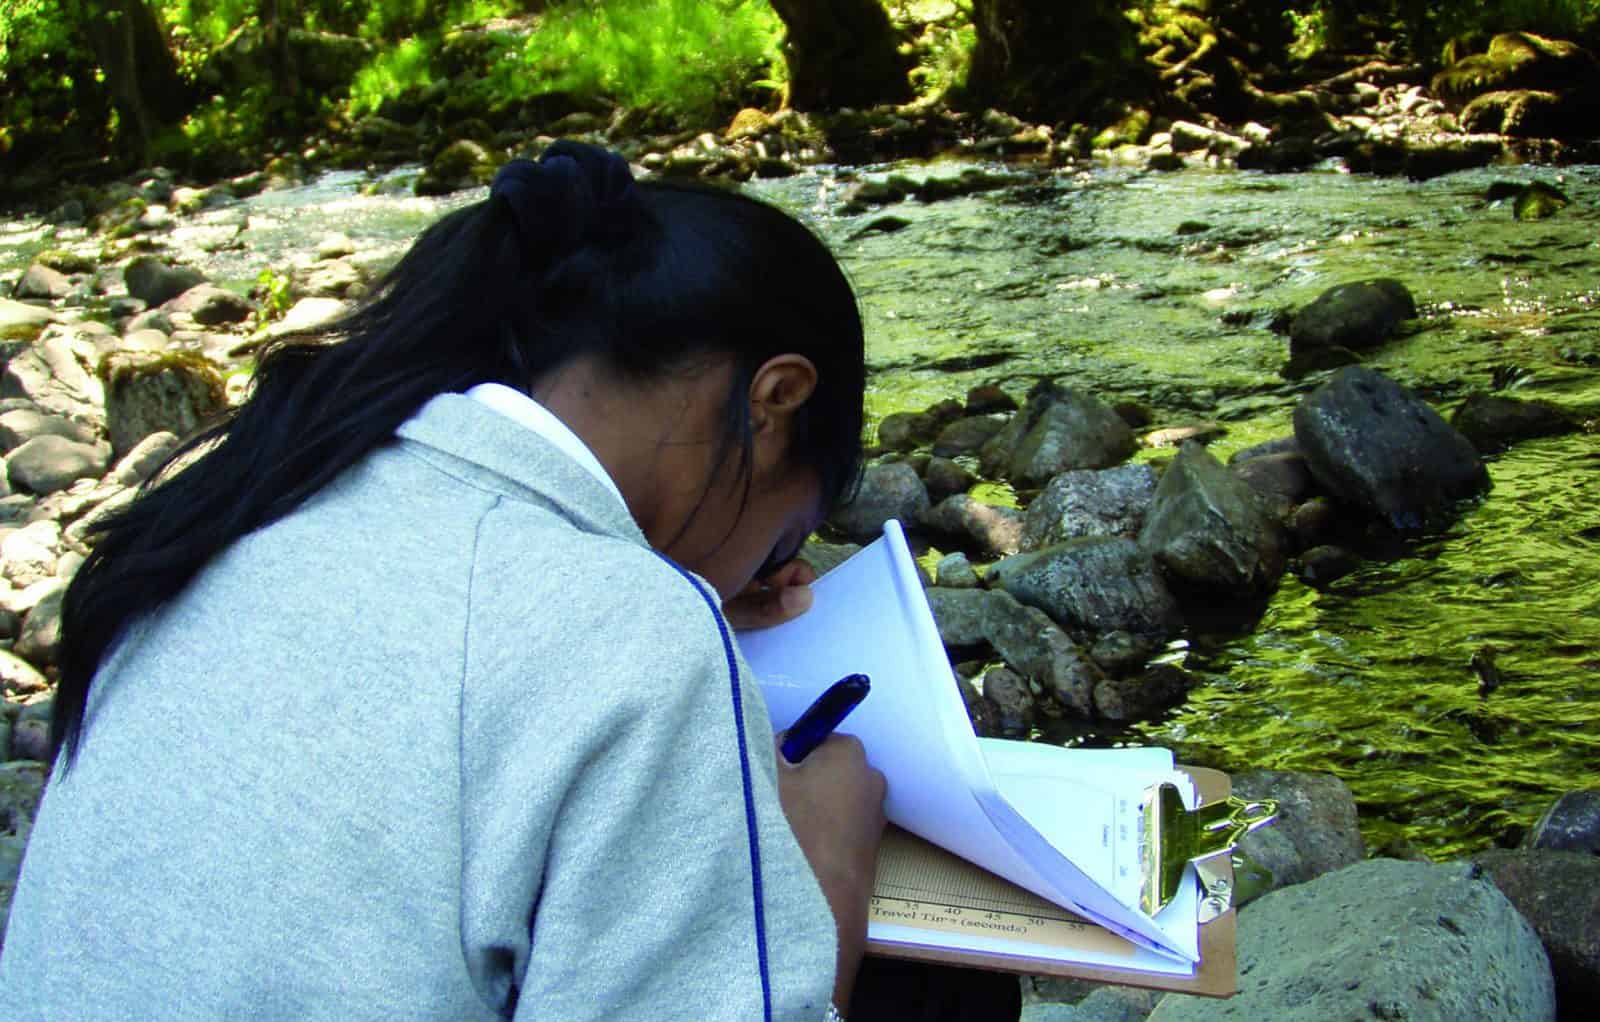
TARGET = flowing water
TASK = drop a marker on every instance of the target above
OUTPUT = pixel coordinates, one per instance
(1161, 288)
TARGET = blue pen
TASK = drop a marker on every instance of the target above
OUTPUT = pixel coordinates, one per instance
(814, 726)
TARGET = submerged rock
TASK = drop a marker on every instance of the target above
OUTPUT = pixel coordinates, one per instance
(1382, 940)
(1374, 445)
(1493, 422)
(1206, 528)
(1354, 317)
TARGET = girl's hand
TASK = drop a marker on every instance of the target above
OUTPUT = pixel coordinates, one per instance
(834, 803)
(784, 594)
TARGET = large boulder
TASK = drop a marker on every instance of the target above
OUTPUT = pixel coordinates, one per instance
(461, 164)
(1087, 502)
(1382, 940)
(1097, 584)
(1316, 831)
(1206, 528)
(1558, 892)
(1348, 318)
(1520, 60)
(1024, 638)
(886, 491)
(155, 282)
(172, 392)
(1059, 429)
(1374, 445)
(966, 435)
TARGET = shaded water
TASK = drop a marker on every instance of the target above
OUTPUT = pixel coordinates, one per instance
(1160, 288)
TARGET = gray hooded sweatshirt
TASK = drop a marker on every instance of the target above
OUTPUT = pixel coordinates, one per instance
(448, 742)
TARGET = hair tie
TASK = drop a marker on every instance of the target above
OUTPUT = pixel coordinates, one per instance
(567, 197)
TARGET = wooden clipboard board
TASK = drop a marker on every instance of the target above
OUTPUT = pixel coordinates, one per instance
(1215, 976)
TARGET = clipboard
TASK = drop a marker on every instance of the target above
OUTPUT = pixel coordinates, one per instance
(914, 878)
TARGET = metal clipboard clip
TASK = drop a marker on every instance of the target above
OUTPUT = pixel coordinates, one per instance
(1175, 836)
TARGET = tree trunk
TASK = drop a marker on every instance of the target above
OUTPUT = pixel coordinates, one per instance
(276, 19)
(842, 53)
(1045, 58)
(141, 74)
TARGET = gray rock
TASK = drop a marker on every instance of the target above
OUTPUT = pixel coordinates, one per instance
(30, 739)
(461, 164)
(966, 436)
(904, 431)
(1316, 831)
(991, 530)
(986, 398)
(1140, 696)
(150, 319)
(824, 557)
(154, 282)
(1120, 652)
(20, 678)
(42, 282)
(335, 245)
(148, 394)
(20, 321)
(1011, 695)
(1572, 823)
(945, 478)
(1357, 316)
(1313, 521)
(307, 315)
(209, 305)
(1206, 528)
(145, 457)
(1558, 893)
(1024, 637)
(21, 788)
(40, 639)
(53, 375)
(1096, 584)
(1059, 429)
(886, 491)
(49, 463)
(1108, 502)
(19, 425)
(1276, 476)
(1386, 940)
(332, 279)
(5, 754)
(1373, 444)
(1326, 564)
(954, 571)
(30, 553)
(982, 712)
(1492, 422)
(1177, 436)
(1279, 445)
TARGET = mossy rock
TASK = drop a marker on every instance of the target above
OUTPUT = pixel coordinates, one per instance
(174, 391)
(63, 261)
(1531, 113)
(1133, 128)
(1519, 60)
(1539, 201)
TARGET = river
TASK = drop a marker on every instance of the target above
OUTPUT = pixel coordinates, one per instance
(1160, 288)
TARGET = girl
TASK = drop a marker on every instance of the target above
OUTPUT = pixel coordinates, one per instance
(412, 694)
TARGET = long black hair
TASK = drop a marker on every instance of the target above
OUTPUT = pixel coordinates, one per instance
(566, 257)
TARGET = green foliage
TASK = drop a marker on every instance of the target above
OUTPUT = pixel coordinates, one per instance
(409, 63)
(688, 59)
(942, 37)
(272, 291)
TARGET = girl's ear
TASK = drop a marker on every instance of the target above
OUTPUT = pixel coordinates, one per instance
(781, 385)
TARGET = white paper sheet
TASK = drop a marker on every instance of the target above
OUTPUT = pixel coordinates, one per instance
(1021, 811)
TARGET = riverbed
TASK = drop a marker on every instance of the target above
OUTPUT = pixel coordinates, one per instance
(1162, 288)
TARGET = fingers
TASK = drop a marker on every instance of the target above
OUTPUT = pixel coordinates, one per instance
(763, 607)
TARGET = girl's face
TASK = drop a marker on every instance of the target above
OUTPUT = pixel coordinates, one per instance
(730, 545)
